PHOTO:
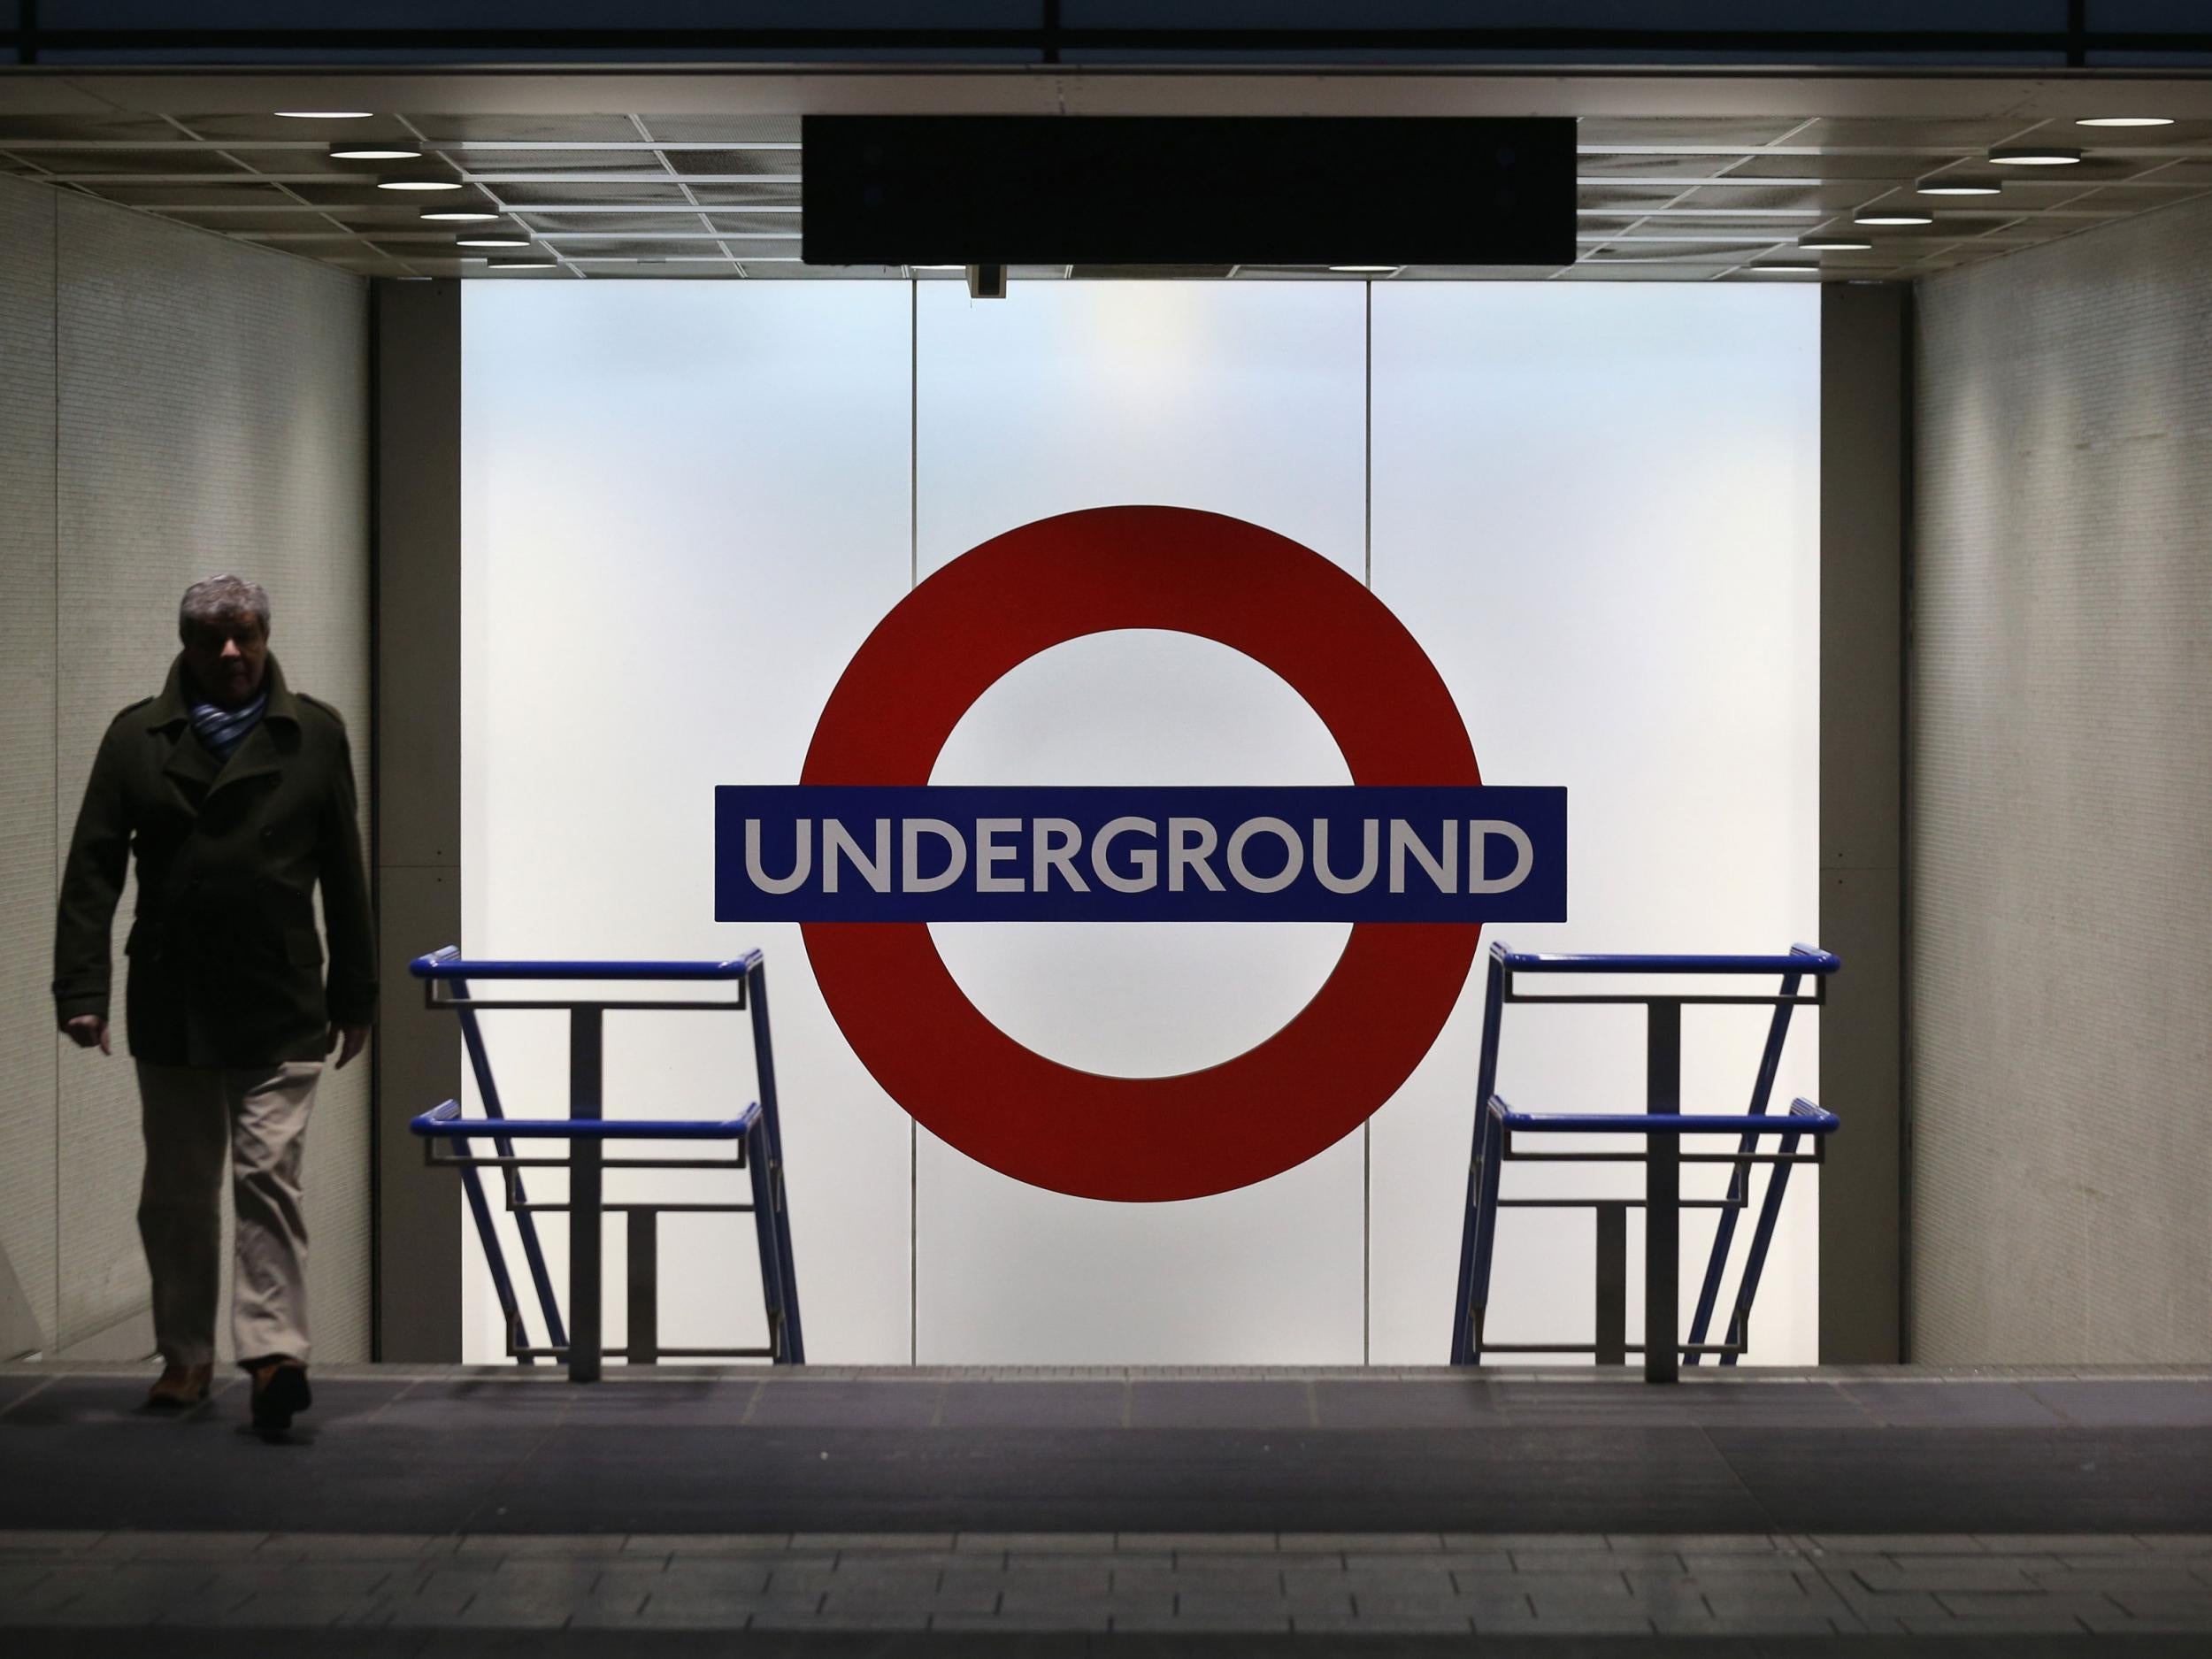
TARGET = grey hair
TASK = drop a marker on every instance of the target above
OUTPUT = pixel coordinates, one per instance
(220, 597)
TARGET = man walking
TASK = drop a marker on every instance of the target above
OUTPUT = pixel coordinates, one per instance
(235, 793)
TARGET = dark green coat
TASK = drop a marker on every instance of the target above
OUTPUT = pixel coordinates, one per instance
(226, 968)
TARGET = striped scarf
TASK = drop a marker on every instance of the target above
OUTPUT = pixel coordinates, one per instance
(223, 730)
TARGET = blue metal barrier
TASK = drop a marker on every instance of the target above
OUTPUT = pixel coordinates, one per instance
(754, 1135)
(1661, 1125)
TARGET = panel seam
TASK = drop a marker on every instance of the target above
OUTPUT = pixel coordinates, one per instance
(54, 509)
(913, 578)
(1367, 573)
(1907, 458)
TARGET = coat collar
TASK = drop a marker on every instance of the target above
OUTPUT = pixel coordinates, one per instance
(261, 752)
(173, 706)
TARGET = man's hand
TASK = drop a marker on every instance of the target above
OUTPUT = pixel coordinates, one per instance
(88, 1029)
(348, 1040)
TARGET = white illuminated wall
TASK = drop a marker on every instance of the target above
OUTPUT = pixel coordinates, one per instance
(686, 505)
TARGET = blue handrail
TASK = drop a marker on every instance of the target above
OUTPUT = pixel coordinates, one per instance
(445, 1121)
(1804, 959)
(1495, 1120)
(1804, 1117)
(449, 964)
(756, 1130)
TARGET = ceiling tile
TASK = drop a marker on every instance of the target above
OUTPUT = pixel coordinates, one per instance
(735, 130)
(1906, 134)
(1748, 131)
(685, 218)
(748, 195)
(2141, 198)
(1614, 164)
(827, 272)
(781, 163)
(247, 223)
(184, 161)
(478, 163)
(635, 247)
(1673, 252)
(265, 125)
(1628, 198)
(1591, 271)
(1901, 168)
(1826, 198)
(777, 225)
(110, 129)
(582, 130)
(362, 193)
(590, 191)
(217, 192)
(755, 247)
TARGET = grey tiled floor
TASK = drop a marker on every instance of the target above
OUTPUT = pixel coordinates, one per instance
(1553, 1584)
(423, 1512)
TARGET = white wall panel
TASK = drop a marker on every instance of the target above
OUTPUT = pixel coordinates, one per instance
(686, 505)
(1246, 401)
(684, 508)
(1596, 507)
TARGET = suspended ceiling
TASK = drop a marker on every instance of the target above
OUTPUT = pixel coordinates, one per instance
(1683, 178)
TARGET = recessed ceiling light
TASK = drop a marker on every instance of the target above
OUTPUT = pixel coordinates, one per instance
(937, 267)
(1782, 269)
(2035, 156)
(1831, 244)
(492, 239)
(418, 182)
(375, 150)
(1893, 216)
(458, 215)
(326, 115)
(1960, 187)
(2126, 120)
(1377, 270)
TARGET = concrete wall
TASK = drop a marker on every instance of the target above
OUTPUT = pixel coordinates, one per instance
(171, 405)
(1864, 464)
(2060, 733)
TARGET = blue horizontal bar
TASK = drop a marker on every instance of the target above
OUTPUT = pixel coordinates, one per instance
(1802, 1118)
(450, 963)
(1803, 959)
(445, 1121)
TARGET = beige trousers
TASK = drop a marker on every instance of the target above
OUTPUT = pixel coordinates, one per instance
(191, 1115)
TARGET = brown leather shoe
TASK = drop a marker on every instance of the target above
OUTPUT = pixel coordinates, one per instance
(280, 1390)
(181, 1388)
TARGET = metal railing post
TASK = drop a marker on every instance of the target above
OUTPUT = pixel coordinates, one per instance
(642, 1345)
(792, 1350)
(585, 1061)
(1612, 1298)
(1662, 1196)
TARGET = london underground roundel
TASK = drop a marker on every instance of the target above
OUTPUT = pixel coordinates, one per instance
(1415, 854)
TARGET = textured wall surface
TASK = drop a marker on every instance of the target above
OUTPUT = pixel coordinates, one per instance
(26, 752)
(204, 409)
(2061, 852)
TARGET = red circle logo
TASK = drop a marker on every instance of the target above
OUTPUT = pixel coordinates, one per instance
(1154, 1137)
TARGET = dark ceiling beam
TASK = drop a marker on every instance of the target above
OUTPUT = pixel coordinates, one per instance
(1051, 42)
